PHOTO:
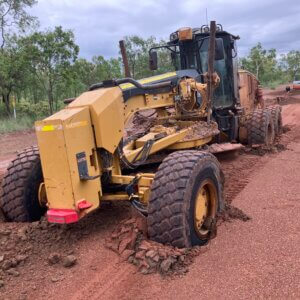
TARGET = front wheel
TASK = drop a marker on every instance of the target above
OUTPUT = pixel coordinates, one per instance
(186, 195)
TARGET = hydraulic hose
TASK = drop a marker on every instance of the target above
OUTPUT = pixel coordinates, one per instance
(143, 86)
(111, 83)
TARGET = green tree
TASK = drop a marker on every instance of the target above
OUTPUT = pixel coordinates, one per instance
(137, 49)
(85, 73)
(83, 76)
(106, 69)
(262, 63)
(14, 14)
(14, 69)
(291, 63)
(51, 54)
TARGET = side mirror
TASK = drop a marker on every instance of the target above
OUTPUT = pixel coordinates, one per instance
(153, 60)
(219, 52)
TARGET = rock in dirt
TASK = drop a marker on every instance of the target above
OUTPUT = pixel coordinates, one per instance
(5, 232)
(13, 272)
(126, 254)
(1, 283)
(54, 258)
(151, 253)
(14, 262)
(129, 240)
(69, 261)
(22, 233)
(21, 258)
(148, 256)
(166, 264)
(55, 279)
(7, 264)
(124, 244)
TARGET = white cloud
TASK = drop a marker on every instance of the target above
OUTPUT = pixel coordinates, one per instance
(99, 25)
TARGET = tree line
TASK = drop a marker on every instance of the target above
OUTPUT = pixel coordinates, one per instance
(40, 68)
(270, 67)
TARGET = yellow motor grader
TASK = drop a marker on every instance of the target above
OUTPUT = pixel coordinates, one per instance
(202, 107)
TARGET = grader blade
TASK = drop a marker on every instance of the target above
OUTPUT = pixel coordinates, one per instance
(225, 147)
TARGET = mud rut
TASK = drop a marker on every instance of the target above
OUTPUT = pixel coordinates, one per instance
(27, 250)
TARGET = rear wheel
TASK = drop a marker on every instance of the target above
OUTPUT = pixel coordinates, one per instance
(260, 127)
(277, 119)
(20, 186)
(186, 195)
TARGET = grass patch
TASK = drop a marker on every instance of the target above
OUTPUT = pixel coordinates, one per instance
(11, 124)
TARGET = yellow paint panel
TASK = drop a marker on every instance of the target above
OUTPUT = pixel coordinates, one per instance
(48, 128)
(58, 149)
(107, 112)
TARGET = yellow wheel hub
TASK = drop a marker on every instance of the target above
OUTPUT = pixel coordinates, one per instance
(205, 207)
(42, 196)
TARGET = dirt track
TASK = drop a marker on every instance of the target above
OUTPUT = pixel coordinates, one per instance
(259, 258)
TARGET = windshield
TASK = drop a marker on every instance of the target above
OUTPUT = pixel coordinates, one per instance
(222, 95)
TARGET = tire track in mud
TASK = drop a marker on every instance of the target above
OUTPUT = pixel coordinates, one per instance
(102, 284)
(238, 173)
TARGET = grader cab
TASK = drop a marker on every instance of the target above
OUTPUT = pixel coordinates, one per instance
(83, 149)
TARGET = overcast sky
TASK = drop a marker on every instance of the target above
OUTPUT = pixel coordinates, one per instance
(99, 25)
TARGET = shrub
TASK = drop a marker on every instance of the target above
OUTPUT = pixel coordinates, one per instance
(11, 124)
(37, 110)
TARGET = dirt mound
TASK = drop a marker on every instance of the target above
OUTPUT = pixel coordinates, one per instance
(263, 150)
(202, 130)
(140, 125)
(39, 252)
(21, 243)
(129, 240)
(231, 212)
(279, 145)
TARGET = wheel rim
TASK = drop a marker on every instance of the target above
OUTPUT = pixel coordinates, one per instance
(42, 196)
(205, 207)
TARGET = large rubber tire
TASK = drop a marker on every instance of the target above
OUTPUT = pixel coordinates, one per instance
(20, 186)
(260, 127)
(171, 209)
(277, 118)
